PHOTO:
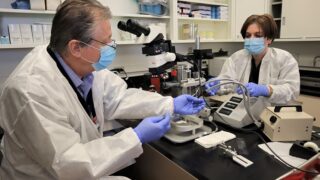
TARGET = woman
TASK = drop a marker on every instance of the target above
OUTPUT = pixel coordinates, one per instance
(269, 73)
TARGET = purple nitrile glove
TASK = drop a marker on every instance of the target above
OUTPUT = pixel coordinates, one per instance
(212, 91)
(152, 128)
(255, 90)
(187, 104)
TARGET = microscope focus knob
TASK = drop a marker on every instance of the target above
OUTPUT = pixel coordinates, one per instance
(273, 119)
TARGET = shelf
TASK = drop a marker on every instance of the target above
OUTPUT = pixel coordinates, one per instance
(206, 41)
(17, 46)
(277, 3)
(309, 68)
(132, 74)
(26, 46)
(297, 40)
(23, 11)
(202, 2)
(141, 16)
(202, 19)
(277, 19)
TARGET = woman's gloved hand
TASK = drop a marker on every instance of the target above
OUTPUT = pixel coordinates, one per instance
(212, 91)
(187, 104)
(255, 90)
(152, 128)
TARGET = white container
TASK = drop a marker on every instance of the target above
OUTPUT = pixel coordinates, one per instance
(26, 34)
(46, 32)
(37, 33)
(52, 4)
(37, 4)
(14, 33)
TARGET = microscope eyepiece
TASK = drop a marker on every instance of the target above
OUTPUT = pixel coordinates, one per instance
(134, 25)
(124, 27)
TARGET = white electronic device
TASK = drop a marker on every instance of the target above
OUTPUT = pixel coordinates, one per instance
(186, 128)
(290, 124)
(215, 139)
(232, 112)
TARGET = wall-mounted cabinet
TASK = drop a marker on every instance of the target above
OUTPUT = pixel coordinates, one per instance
(300, 19)
(297, 19)
(242, 10)
(213, 20)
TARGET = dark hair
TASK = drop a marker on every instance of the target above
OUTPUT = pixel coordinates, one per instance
(75, 19)
(265, 22)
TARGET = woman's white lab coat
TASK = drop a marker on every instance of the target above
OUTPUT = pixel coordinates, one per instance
(48, 134)
(278, 69)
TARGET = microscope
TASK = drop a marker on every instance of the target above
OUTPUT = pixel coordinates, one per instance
(159, 52)
(162, 56)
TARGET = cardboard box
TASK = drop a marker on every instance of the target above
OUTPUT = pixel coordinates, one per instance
(14, 33)
(37, 4)
(37, 33)
(26, 34)
(46, 32)
(52, 4)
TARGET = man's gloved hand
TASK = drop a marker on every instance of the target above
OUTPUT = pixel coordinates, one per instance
(255, 90)
(152, 128)
(187, 104)
(212, 91)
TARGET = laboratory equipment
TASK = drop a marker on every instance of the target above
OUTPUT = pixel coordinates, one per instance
(235, 156)
(159, 52)
(233, 112)
(290, 124)
(214, 139)
(303, 149)
(186, 128)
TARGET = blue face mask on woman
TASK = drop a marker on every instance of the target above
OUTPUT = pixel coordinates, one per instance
(255, 46)
(107, 56)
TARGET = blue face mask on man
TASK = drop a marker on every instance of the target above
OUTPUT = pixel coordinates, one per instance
(255, 46)
(107, 56)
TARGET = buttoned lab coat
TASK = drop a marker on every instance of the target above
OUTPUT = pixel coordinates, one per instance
(48, 133)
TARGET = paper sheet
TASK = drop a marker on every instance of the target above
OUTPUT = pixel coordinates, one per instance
(282, 150)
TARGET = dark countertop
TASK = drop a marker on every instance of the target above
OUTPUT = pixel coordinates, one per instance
(212, 164)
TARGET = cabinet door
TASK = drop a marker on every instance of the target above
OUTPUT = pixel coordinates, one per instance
(300, 19)
(244, 9)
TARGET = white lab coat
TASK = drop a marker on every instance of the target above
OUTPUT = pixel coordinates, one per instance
(48, 134)
(278, 69)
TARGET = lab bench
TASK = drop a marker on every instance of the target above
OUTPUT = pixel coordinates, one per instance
(163, 159)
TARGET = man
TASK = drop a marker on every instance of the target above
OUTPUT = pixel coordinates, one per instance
(53, 108)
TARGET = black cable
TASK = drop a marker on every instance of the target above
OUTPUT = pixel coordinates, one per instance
(275, 154)
(283, 161)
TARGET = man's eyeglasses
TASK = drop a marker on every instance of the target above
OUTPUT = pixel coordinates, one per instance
(112, 44)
